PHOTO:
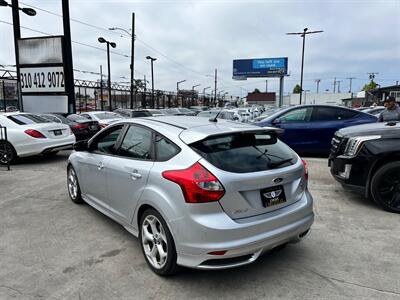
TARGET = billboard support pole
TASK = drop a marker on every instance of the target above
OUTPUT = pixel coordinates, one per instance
(68, 63)
(17, 36)
(281, 91)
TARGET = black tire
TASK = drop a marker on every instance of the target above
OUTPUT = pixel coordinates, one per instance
(169, 267)
(50, 154)
(73, 192)
(7, 153)
(385, 187)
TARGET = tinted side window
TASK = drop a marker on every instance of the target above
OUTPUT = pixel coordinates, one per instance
(297, 115)
(325, 114)
(165, 149)
(137, 143)
(106, 144)
(332, 114)
(345, 114)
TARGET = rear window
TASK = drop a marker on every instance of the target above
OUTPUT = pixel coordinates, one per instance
(75, 117)
(245, 152)
(137, 114)
(107, 115)
(27, 119)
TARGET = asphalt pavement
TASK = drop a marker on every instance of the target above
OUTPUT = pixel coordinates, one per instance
(51, 248)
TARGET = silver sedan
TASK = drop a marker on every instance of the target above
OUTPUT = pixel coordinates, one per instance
(197, 193)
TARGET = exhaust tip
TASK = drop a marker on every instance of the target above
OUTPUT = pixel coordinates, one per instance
(304, 234)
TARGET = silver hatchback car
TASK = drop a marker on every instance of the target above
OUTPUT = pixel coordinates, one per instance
(197, 193)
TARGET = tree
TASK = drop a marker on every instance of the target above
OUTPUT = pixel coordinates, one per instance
(370, 86)
(297, 89)
(256, 91)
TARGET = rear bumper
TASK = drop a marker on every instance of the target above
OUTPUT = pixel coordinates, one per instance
(243, 242)
(33, 146)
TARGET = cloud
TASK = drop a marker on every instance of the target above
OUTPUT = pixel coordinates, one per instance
(192, 38)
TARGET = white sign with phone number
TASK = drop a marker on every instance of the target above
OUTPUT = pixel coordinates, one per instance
(42, 80)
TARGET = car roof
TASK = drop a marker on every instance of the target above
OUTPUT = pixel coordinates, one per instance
(192, 129)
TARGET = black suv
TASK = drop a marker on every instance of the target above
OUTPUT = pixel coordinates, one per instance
(366, 158)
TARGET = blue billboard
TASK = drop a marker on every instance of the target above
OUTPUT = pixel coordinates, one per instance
(260, 67)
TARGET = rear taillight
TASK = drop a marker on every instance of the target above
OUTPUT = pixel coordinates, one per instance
(197, 183)
(305, 167)
(80, 126)
(34, 133)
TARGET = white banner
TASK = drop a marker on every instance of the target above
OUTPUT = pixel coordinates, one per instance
(42, 80)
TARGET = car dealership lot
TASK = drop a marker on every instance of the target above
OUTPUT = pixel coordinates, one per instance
(52, 248)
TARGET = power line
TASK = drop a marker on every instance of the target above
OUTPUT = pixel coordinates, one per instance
(75, 42)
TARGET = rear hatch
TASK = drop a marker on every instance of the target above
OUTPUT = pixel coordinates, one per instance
(259, 173)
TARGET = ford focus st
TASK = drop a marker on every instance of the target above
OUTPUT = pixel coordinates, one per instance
(197, 193)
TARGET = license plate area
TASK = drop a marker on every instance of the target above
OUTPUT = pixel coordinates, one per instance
(273, 196)
(57, 132)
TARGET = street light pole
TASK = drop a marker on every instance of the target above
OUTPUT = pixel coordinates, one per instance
(132, 66)
(303, 35)
(215, 87)
(109, 76)
(204, 93)
(177, 91)
(193, 91)
(102, 40)
(152, 59)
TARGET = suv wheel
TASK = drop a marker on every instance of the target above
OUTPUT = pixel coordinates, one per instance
(74, 190)
(385, 187)
(157, 243)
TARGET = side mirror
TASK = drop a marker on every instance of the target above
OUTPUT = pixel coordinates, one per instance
(276, 121)
(81, 146)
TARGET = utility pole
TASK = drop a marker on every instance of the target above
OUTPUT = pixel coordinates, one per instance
(303, 35)
(266, 86)
(338, 87)
(133, 60)
(101, 88)
(215, 88)
(350, 79)
(334, 85)
(317, 81)
(68, 64)
(372, 75)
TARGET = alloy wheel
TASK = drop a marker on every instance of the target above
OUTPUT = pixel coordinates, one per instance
(72, 184)
(154, 241)
(389, 188)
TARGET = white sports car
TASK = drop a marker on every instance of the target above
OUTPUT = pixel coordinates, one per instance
(29, 134)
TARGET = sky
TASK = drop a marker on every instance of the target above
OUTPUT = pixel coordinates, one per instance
(192, 38)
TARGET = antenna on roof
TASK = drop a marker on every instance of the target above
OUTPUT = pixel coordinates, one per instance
(216, 116)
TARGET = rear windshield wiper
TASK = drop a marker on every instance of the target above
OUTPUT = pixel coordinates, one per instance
(279, 163)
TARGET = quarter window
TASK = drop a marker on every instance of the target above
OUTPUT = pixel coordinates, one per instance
(165, 149)
(137, 143)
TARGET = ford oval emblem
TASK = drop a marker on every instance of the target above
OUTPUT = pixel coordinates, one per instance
(277, 180)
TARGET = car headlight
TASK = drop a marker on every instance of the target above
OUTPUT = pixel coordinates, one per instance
(354, 144)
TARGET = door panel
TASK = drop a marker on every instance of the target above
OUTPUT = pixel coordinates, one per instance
(126, 179)
(128, 171)
(298, 130)
(93, 179)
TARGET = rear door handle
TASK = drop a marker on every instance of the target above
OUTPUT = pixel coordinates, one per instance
(135, 175)
(100, 166)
